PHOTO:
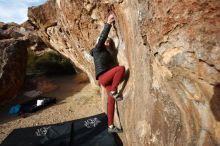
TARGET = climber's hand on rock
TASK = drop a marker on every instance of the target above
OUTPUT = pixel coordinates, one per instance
(111, 19)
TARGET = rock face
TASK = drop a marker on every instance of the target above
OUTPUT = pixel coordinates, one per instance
(13, 56)
(36, 43)
(14, 41)
(171, 50)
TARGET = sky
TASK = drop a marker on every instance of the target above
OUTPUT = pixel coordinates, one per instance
(16, 10)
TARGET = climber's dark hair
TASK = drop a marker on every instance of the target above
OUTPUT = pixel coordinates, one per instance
(111, 43)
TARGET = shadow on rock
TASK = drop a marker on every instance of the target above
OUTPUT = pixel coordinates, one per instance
(125, 81)
(215, 102)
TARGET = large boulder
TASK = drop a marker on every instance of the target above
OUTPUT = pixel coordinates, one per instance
(13, 56)
(14, 41)
(171, 49)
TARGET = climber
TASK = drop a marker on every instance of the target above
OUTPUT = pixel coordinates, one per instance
(108, 73)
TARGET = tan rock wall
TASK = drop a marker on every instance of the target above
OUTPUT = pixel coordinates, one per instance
(171, 49)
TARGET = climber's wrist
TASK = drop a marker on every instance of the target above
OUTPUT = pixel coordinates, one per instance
(111, 19)
(109, 22)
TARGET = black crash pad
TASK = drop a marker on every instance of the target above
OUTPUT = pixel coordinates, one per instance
(90, 131)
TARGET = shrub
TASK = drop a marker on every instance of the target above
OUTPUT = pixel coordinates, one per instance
(50, 63)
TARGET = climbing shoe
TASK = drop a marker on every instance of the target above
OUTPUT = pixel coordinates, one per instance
(114, 129)
(115, 95)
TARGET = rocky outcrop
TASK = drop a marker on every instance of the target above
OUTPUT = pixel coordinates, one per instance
(12, 67)
(36, 43)
(171, 50)
(13, 55)
(14, 41)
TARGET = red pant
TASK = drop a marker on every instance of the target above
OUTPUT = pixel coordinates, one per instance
(110, 80)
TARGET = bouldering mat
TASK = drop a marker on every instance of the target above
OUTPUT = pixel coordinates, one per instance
(90, 131)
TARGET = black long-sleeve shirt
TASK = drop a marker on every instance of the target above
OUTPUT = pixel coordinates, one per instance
(102, 58)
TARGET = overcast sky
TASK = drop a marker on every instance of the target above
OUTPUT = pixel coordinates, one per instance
(16, 10)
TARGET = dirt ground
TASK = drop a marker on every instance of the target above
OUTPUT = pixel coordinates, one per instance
(76, 98)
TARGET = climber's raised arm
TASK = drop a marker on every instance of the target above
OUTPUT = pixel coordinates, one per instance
(103, 36)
